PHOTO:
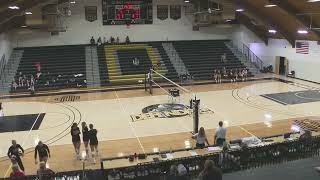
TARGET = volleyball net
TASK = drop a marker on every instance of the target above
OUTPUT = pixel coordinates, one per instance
(159, 84)
(181, 101)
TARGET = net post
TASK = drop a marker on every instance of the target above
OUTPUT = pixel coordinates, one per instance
(195, 109)
(150, 81)
(145, 79)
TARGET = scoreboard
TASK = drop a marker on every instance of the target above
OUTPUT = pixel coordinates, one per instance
(117, 12)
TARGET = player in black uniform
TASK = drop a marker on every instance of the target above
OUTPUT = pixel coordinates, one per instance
(43, 151)
(85, 137)
(15, 151)
(93, 142)
(75, 133)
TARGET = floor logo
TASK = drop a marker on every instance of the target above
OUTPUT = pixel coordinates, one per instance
(165, 111)
(67, 98)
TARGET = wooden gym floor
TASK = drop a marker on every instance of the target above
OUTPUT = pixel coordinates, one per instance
(239, 105)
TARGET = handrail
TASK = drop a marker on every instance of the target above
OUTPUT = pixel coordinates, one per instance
(253, 58)
(245, 52)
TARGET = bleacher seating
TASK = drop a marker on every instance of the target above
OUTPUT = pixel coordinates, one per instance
(62, 63)
(202, 57)
(115, 62)
(119, 66)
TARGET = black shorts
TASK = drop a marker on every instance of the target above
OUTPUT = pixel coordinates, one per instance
(75, 140)
(93, 143)
(200, 145)
(85, 139)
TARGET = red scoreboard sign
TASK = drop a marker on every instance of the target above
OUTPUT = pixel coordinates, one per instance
(117, 12)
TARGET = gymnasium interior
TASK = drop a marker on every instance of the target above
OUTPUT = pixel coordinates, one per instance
(168, 89)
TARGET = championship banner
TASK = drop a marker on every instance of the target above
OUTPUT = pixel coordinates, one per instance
(91, 13)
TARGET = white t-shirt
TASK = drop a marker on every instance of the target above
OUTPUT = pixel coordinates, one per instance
(221, 132)
(200, 140)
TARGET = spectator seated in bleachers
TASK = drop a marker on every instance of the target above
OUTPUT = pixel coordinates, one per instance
(177, 172)
(210, 171)
(105, 40)
(112, 40)
(45, 173)
(16, 172)
(117, 40)
(99, 41)
(92, 41)
(127, 40)
(227, 160)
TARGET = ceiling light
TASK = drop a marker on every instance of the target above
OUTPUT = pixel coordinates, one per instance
(269, 5)
(28, 13)
(24, 26)
(302, 31)
(272, 31)
(13, 7)
(72, 2)
(313, 0)
(240, 10)
(228, 20)
(186, 1)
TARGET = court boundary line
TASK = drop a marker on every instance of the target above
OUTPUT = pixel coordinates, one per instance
(43, 108)
(124, 109)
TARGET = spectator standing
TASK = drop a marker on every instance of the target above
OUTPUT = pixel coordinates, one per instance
(45, 173)
(201, 138)
(220, 136)
(16, 172)
(1, 111)
(16, 151)
(93, 142)
(210, 172)
(43, 151)
(75, 133)
(224, 58)
(218, 76)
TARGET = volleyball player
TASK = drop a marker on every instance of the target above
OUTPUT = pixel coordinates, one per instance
(236, 74)
(43, 151)
(241, 74)
(93, 142)
(219, 76)
(15, 151)
(75, 133)
(85, 137)
(231, 75)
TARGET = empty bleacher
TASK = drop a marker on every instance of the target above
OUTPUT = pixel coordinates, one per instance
(62, 63)
(202, 57)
